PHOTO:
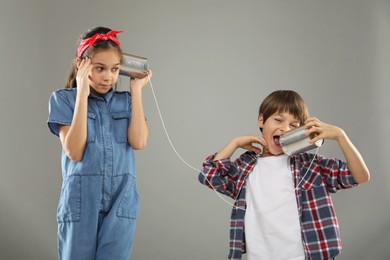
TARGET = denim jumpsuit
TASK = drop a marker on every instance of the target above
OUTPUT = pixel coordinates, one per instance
(99, 201)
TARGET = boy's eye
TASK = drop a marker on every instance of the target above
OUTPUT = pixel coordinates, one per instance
(278, 120)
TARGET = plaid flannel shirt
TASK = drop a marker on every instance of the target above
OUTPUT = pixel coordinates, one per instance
(319, 225)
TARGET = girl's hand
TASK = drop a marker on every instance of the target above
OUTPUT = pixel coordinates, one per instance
(139, 84)
(323, 130)
(84, 67)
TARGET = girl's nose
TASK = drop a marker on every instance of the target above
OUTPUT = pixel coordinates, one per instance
(107, 76)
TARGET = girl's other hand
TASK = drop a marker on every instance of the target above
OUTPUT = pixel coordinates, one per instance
(139, 84)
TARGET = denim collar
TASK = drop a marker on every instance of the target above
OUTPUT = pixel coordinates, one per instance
(106, 97)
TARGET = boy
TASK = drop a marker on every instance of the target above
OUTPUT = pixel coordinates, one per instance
(282, 205)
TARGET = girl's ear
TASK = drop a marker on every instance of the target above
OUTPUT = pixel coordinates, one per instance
(260, 121)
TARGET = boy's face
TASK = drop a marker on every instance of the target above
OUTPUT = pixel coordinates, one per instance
(277, 124)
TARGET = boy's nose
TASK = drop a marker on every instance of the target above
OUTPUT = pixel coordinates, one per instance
(285, 128)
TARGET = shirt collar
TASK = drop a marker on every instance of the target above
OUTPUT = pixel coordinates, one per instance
(106, 97)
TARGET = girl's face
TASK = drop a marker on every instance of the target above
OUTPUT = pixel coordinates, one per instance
(277, 124)
(105, 71)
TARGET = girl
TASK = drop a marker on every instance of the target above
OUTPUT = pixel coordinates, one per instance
(99, 128)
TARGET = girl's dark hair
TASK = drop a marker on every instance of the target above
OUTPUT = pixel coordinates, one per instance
(284, 101)
(98, 45)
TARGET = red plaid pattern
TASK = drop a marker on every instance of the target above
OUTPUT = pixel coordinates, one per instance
(319, 225)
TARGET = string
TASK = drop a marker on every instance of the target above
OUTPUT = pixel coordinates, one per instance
(198, 170)
(165, 129)
(308, 168)
(174, 149)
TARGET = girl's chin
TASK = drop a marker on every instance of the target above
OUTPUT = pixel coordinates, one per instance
(101, 90)
(105, 87)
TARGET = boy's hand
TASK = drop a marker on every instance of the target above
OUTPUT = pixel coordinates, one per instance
(323, 130)
(355, 161)
(247, 142)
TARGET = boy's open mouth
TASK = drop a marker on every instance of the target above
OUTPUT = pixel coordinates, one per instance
(277, 140)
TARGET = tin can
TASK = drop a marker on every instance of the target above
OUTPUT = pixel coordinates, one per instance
(295, 141)
(133, 66)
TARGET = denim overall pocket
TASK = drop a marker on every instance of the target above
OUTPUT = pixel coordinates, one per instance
(69, 206)
(121, 123)
(129, 201)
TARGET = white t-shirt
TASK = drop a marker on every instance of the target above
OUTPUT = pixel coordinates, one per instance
(272, 228)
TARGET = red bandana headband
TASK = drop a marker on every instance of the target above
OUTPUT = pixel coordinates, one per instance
(86, 43)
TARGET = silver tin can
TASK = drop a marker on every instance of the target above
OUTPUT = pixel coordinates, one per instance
(295, 141)
(134, 66)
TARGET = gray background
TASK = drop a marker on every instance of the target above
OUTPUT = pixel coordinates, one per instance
(213, 62)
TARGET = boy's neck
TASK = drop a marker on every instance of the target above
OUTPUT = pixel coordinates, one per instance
(266, 153)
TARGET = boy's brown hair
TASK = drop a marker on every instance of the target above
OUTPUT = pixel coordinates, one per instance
(284, 101)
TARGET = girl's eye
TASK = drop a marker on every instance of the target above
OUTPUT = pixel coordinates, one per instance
(294, 125)
(115, 69)
(99, 69)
